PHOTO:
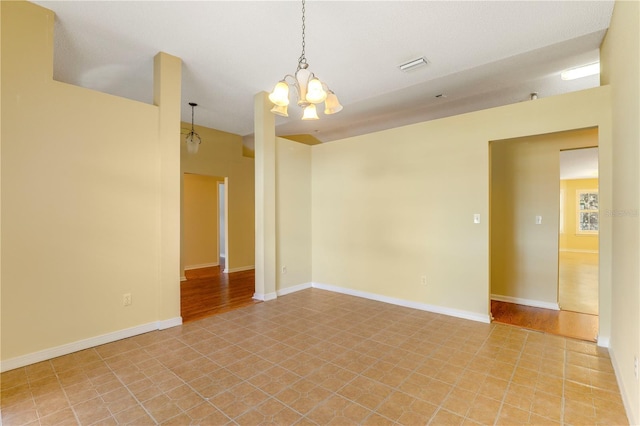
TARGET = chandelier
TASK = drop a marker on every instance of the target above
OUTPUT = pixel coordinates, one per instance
(193, 139)
(310, 90)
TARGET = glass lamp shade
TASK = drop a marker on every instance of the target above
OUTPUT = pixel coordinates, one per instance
(315, 92)
(280, 94)
(280, 110)
(331, 104)
(310, 113)
(193, 143)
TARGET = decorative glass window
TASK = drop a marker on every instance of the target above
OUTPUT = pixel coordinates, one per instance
(587, 221)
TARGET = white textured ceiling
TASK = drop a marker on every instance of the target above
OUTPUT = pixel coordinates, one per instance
(579, 163)
(481, 54)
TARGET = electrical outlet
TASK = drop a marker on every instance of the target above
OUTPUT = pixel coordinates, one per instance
(423, 280)
(126, 299)
(538, 220)
(635, 366)
(284, 269)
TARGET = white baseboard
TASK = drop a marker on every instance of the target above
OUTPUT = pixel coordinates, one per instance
(406, 303)
(603, 342)
(293, 289)
(526, 302)
(628, 404)
(34, 357)
(578, 251)
(168, 323)
(183, 278)
(202, 265)
(265, 297)
(240, 269)
(223, 255)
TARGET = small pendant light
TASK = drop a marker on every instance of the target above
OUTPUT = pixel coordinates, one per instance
(193, 139)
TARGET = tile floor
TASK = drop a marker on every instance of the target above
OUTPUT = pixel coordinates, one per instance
(316, 357)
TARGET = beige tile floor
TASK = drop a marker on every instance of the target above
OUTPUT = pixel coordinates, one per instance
(316, 357)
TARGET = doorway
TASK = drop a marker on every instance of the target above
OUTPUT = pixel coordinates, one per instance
(200, 221)
(578, 231)
(525, 242)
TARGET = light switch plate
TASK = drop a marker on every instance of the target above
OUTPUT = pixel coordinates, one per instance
(476, 218)
(538, 220)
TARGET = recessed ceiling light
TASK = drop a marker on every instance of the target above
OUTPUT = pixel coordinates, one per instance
(413, 64)
(579, 72)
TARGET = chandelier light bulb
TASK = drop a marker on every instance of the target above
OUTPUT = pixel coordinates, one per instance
(280, 110)
(280, 94)
(310, 113)
(315, 92)
(331, 104)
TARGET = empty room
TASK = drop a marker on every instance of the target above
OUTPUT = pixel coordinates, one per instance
(379, 180)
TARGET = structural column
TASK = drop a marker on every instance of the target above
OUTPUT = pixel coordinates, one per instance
(265, 205)
(166, 95)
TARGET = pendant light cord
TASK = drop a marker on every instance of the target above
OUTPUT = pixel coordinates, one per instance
(192, 108)
(302, 60)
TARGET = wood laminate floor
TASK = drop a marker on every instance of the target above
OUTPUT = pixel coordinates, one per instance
(209, 291)
(577, 297)
(578, 282)
(562, 323)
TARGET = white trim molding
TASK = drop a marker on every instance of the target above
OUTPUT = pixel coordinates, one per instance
(293, 289)
(169, 323)
(265, 297)
(239, 269)
(183, 278)
(603, 342)
(626, 395)
(202, 265)
(526, 302)
(473, 316)
(46, 354)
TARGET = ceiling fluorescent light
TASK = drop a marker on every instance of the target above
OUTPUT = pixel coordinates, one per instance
(579, 72)
(413, 64)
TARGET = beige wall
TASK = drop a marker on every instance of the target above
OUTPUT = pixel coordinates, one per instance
(620, 58)
(293, 217)
(220, 155)
(525, 183)
(570, 240)
(393, 206)
(200, 218)
(88, 187)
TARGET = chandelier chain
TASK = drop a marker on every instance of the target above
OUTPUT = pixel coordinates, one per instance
(303, 59)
